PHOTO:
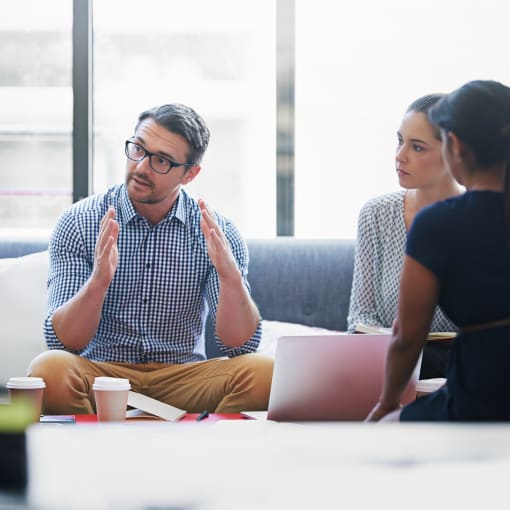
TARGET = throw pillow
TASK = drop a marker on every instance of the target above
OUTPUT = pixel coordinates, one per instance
(23, 306)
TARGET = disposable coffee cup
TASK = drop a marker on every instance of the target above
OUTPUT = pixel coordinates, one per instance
(426, 386)
(111, 395)
(29, 390)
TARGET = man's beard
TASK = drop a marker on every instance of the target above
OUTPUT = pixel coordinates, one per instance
(148, 200)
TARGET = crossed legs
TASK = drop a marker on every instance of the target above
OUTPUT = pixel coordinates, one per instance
(218, 385)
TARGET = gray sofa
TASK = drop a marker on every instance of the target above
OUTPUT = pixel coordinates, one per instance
(302, 281)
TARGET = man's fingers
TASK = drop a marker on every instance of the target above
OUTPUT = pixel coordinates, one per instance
(106, 220)
(109, 227)
(207, 214)
(109, 214)
(216, 239)
(209, 225)
(208, 217)
(107, 247)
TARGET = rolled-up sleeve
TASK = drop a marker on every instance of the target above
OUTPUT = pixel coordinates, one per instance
(240, 252)
(69, 270)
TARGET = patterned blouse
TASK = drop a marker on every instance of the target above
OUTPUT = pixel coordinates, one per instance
(378, 261)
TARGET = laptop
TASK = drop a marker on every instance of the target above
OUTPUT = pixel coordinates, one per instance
(330, 377)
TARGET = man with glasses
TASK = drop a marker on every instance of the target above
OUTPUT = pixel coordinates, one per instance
(134, 273)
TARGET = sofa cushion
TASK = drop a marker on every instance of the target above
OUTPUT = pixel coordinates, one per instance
(23, 306)
(302, 281)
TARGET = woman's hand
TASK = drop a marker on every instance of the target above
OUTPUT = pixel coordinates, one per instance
(380, 411)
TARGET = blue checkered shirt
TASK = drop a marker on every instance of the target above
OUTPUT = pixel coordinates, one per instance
(163, 288)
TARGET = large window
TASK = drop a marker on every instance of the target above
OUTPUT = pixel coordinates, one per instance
(217, 57)
(303, 98)
(35, 114)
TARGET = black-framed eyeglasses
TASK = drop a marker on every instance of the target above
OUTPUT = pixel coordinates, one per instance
(158, 163)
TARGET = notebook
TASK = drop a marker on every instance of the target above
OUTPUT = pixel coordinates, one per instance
(376, 330)
(330, 377)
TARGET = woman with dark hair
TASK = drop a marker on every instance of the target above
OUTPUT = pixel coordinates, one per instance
(383, 225)
(458, 256)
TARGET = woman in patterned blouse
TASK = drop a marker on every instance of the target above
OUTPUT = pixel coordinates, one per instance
(383, 225)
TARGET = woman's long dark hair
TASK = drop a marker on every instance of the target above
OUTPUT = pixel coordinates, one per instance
(478, 113)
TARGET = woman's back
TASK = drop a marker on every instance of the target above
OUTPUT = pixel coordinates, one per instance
(463, 241)
(458, 255)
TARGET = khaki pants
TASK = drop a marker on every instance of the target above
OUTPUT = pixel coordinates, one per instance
(218, 385)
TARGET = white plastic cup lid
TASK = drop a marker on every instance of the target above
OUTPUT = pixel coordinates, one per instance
(430, 385)
(26, 383)
(111, 384)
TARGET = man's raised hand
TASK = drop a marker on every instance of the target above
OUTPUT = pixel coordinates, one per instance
(106, 255)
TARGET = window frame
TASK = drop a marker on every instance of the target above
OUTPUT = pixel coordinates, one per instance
(83, 103)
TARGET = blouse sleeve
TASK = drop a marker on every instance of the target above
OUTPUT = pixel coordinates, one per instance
(362, 306)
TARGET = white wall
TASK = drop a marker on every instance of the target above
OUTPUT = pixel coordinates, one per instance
(358, 66)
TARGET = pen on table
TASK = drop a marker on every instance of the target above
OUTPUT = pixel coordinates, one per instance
(202, 415)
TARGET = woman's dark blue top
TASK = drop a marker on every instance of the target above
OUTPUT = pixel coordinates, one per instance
(463, 242)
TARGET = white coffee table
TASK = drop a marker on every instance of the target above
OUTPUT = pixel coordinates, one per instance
(265, 465)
